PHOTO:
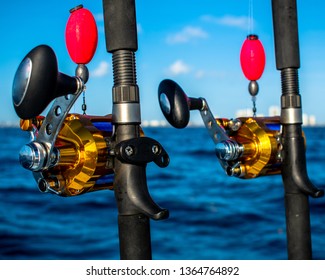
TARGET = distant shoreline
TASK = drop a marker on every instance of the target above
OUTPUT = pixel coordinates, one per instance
(9, 124)
(153, 124)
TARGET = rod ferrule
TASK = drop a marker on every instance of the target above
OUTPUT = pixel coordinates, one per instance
(126, 113)
(291, 116)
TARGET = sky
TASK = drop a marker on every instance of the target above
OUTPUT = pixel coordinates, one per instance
(195, 43)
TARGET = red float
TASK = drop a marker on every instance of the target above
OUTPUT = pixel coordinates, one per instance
(81, 35)
(252, 58)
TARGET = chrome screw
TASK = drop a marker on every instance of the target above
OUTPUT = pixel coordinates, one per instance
(129, 151)
(155, 149)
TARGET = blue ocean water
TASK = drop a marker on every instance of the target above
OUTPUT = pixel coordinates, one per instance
(212, 216)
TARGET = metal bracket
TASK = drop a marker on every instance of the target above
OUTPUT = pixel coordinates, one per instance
(52, 123)
(141, 151)
(227, 150)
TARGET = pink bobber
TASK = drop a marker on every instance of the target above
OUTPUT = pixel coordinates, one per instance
(252, 58)
(81, 35)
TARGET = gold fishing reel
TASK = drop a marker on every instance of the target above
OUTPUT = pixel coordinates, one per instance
(259, 145)
(69, 154)
(245, 147)
(80, 160)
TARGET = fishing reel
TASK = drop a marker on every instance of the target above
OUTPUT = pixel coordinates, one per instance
(246, 147)
(69, 153)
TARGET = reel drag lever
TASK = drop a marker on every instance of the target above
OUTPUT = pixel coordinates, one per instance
(38, 74)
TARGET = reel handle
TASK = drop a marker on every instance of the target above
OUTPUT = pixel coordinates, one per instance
(175, 104)
(37, 82)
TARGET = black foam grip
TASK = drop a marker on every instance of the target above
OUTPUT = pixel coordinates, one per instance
(286, 39)
(120, 25)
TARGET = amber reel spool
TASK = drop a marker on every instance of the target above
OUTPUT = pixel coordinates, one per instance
(260, 138)
(84, 162)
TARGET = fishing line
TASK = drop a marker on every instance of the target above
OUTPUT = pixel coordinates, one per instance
(250, 16)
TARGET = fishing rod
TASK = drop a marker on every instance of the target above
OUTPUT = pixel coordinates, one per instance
(250, 147)
(297, 185)
(72, 154)
(133, 152)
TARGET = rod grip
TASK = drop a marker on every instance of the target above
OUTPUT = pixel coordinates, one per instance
(120, 25)
(286, 39)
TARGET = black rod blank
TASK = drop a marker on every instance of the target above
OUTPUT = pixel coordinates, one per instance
(134, 235)
(295, 179)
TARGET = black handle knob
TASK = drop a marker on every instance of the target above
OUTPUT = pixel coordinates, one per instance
(175, 104)
(37, 82)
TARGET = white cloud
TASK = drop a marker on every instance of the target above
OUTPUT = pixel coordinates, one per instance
(178, 68)
(241, 22)
(101, 70)
(186, 34)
